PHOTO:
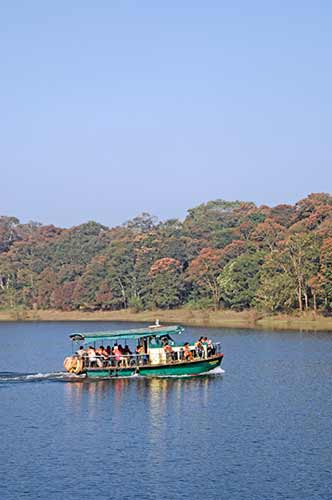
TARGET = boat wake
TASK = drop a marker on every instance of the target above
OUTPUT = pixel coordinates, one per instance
(216, 371)
(15, 377)
(6, 377)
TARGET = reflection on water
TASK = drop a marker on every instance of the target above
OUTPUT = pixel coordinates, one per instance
(155, 391)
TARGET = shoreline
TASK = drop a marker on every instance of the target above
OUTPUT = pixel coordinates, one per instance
(200, 318)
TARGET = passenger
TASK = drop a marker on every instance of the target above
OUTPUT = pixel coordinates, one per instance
(140, 354)
(199, 347)
(93, 360)
(187, 354)
(117, 353)
(82, 355)
(205, 346)
(109, 350)
(126, 350)
(169, 352)
(105, 353)
(81, 352)
(209, 346)
(100, 356)
(120, 359)
(125, 354)
(103, 356)
(140, 349)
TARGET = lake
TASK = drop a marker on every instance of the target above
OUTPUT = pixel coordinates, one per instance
(260, 430)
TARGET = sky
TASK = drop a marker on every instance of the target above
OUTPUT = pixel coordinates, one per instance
(112, 108)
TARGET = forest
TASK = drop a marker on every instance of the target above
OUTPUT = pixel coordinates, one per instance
(223, 255)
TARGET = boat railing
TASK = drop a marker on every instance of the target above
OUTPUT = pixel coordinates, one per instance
(205, 352)
(138, 360)
(122, 361)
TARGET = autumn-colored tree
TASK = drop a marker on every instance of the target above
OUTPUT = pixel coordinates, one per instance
(268, 234)
(203, 273)
(283, 214)
(235, 249)
(167, 283)
(62, 296)
(46, 283)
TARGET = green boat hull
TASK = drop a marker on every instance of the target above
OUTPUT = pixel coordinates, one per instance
(174, 369)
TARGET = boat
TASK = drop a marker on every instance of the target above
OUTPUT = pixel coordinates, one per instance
(156, 354)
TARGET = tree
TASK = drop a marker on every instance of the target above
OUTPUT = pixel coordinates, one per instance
(217, 221)
(277, 289)
(203, 273)
(268, 234)
(62, 296)
(239, 280)
(8, 232)
(302, 252)
(167, 283)
(287, 272)
(325, 275)
(142, 223)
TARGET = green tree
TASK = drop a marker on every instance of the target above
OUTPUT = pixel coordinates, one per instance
(325, 275)
(277, 291)
(302, 253)
(239, 280)
(289, 270)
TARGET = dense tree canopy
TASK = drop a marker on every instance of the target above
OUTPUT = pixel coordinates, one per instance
(224, 254)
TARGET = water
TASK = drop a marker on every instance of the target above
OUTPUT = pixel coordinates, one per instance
(261, 430)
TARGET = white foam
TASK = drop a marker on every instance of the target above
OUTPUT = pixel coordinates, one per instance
(216, 371)
(29, 377)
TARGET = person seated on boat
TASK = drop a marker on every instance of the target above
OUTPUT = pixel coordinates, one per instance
(187, 354)
(124, 358)
(209, 346)
(93, 359)
(205, 346)
(81, 352)
(127, 351)
(117, 353)
(83, 355)
(140, 353)
(169, 352)
(140, 349)
(199, 347)
(108, 350)
(102, 353)
(112, 356)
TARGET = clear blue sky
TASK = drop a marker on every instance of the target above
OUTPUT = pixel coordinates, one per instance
(114, 107)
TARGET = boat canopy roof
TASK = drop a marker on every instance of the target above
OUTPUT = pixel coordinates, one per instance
(137, 333)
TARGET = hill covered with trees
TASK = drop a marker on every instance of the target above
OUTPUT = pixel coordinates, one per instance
(231, 255)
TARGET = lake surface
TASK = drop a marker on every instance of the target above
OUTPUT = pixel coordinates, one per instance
(261, 430)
